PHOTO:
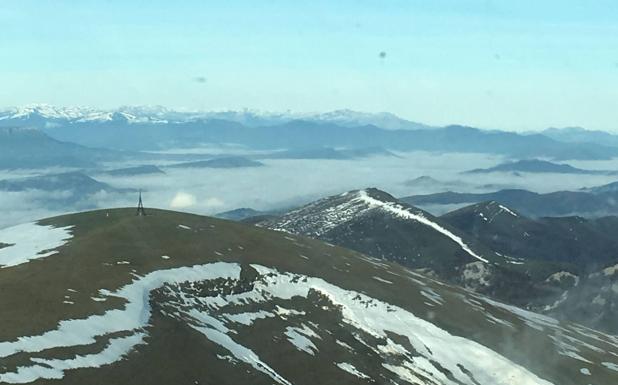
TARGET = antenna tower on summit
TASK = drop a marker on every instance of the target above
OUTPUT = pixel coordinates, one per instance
(140, 206)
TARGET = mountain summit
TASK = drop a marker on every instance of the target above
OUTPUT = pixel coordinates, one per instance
(109, 297)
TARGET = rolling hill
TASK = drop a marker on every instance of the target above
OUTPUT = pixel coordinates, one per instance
(109, 297)
(538, 166)
(22, 148)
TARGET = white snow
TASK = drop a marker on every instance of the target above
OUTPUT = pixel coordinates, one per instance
(432, 296)
(165, 257)
(432, 345)
(612, 270)
(298, 339)
(382, 280)
(248, 318)
(352, 370)
(400, 211)
(585, 371)
(559, 276)
(507, 210)
(487, 366)
(242, 353)
(184, 227)
(31, 241)
(476, 272)
(132, 318)
(610, 366)
(54, 368)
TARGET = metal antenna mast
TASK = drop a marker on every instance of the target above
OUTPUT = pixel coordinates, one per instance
(140, 206)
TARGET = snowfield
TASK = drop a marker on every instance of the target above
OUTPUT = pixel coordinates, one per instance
(431, 345)
(31, 241)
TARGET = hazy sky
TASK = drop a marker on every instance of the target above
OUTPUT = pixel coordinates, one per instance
(495, 64)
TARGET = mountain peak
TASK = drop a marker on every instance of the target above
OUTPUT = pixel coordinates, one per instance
(342, 218)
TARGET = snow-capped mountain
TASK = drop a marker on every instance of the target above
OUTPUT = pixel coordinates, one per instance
(373, 222)
(352, 118)
(35, 113)
(179, 298)
(488, 248)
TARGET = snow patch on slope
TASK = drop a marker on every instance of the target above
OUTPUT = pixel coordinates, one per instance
(431, 342)
(132, 318)
(30, 241)
(402, 212)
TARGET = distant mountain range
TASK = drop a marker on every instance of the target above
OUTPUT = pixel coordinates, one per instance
(539, 166)
(157, 128)
(593, 202)
(45, 113)
(581, 135)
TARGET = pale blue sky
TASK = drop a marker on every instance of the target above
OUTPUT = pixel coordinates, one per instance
(517, 65)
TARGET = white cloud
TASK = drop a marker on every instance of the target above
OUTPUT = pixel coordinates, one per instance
(213, 203)
(182, 200)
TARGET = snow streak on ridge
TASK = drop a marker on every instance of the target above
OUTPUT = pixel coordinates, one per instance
(400, 211)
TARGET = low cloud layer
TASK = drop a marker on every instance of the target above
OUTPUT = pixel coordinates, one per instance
(287, 183)
(182, 200)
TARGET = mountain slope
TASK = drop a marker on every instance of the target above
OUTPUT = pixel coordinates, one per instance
(581, 242)
(559, 203)
(178, 298)
(28, 148)
(575, 256)
(59, 191)
(373, 222)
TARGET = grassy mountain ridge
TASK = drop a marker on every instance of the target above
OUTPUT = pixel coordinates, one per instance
(216, 311)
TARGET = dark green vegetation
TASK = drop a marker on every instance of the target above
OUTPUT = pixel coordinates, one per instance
(113, 248)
